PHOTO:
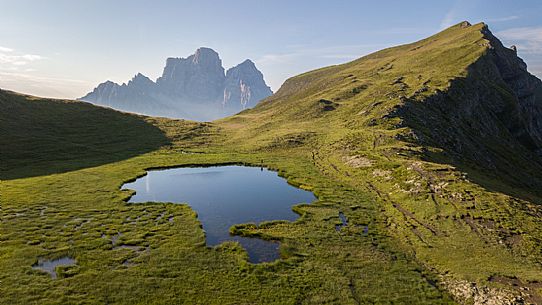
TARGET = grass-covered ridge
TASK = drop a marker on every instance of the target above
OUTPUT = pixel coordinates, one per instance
(353, 134)
(43, 136)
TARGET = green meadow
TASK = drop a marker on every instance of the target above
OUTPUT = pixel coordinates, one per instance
(422, 224)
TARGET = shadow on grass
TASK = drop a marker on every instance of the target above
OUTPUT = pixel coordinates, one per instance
(44, 136)
(480, 131)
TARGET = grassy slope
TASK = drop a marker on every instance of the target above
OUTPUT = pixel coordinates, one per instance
(79, 212)
(41, 136)
(424, 218)
(452, 224)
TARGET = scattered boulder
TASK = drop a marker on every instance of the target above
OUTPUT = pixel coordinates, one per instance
(357, 161)
(466, 292)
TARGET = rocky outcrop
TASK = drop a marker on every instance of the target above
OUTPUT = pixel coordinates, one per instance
(244, 87)
(469, 293)
(139, 95)
(490, 119)
(194, 88)
(525, 111)
(199, 77)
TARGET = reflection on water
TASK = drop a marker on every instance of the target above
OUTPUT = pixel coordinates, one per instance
(49, 266)
(224, 196)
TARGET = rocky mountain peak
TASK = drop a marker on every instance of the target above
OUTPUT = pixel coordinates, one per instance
(246, 67)
(197, 83)
(244, 86)
(247, 62)
(199, 77)
(108, 83)
(465, 24)
(140, 76)
(140, 79)
(205, 56)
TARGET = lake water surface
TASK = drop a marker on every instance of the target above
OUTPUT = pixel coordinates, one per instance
(223, 196)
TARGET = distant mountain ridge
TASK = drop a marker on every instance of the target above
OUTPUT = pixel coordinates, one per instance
(196, 87)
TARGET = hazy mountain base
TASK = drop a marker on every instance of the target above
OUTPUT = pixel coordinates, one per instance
(194, 88)
(431, 227)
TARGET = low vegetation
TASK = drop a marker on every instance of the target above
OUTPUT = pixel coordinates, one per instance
(422, 227)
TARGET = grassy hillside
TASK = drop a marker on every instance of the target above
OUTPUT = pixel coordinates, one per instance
(41, 136)
(433, 130)
(410, 142)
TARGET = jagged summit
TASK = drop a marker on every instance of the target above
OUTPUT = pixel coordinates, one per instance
(205, 55)
(201, 54)
(140, 79)
(247, 65)
(197, 78)
(247, 62)
(140, 76)
(465, 24)
(244, 83)
(195, 87)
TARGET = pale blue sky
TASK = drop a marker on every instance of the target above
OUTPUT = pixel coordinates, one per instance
(64, 48)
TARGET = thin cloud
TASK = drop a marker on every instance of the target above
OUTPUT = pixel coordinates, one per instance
(276, 58)
(451, 16)
(527, 39)
(502, 19)
(5, 50)
(302, 58)
(455, 14)
(41, 85)
(51, 80)
(345, 52)
(18, 73)
(9, 57)
(448, 19)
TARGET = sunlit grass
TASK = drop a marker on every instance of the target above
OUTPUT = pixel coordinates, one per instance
(410, 220)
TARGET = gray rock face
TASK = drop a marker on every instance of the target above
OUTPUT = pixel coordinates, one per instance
(523, 114)
(491, 119)
(104, 93)
(244, 87)
(192, 88)
(200, 77)
(138, 95)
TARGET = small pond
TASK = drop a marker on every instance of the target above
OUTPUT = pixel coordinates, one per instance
(223, 196)
(49, 266)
